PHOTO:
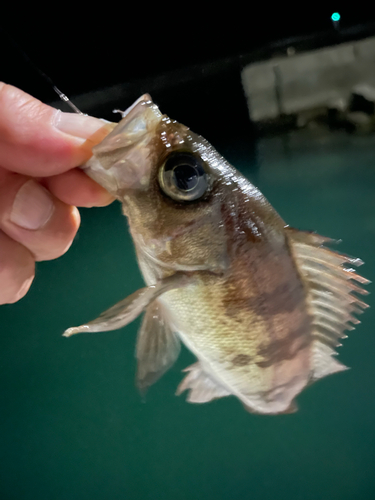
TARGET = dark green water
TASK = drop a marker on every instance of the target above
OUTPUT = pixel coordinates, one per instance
(73, 425)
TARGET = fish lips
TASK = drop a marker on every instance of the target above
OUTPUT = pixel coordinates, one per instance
(122, 160)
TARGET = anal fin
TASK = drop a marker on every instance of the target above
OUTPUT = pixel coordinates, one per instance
(202, 388)
(323, 362)
(292, 408)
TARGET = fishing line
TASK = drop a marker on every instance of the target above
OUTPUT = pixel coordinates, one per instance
(41, 73)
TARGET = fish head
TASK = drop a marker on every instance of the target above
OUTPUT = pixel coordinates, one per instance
(168, 180)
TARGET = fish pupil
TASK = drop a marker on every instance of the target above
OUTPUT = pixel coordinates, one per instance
(185, 177)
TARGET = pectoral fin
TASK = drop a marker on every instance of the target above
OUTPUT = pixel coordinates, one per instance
(158, 346)
(130, 308)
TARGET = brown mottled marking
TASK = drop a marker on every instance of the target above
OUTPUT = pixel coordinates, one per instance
(281, 300)
(286, 348)
(241, 360)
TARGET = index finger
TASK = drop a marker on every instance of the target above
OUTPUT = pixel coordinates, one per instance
(38, 140)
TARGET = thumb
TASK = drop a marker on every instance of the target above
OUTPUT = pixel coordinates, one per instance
(38, 140)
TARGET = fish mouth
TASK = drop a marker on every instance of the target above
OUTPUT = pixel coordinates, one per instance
(122, 160)
(131, 111)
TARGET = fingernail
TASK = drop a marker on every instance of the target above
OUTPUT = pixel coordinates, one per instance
(32, 206)
(78, 125)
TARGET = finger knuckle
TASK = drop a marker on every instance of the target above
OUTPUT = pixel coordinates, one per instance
(17, 272)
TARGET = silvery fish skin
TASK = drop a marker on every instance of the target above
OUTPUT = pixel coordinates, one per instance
(260, 305)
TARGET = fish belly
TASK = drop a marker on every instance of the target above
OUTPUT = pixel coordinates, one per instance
(263, 359)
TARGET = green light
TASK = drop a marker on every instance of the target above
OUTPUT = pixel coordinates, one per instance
(335, 16)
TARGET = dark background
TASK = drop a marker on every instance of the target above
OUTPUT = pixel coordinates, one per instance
(102, 47)
(187, 58)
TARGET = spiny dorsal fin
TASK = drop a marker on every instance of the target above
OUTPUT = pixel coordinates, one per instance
(331, 285)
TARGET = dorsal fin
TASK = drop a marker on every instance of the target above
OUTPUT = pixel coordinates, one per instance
(331, 285)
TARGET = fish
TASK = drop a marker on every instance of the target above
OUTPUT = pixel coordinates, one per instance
(261, 305)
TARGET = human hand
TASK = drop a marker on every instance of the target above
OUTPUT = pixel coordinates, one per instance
(40, 187)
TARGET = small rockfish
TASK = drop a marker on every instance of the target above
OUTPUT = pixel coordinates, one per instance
(261, 305)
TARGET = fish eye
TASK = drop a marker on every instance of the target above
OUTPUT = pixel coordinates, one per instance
(182, 177)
